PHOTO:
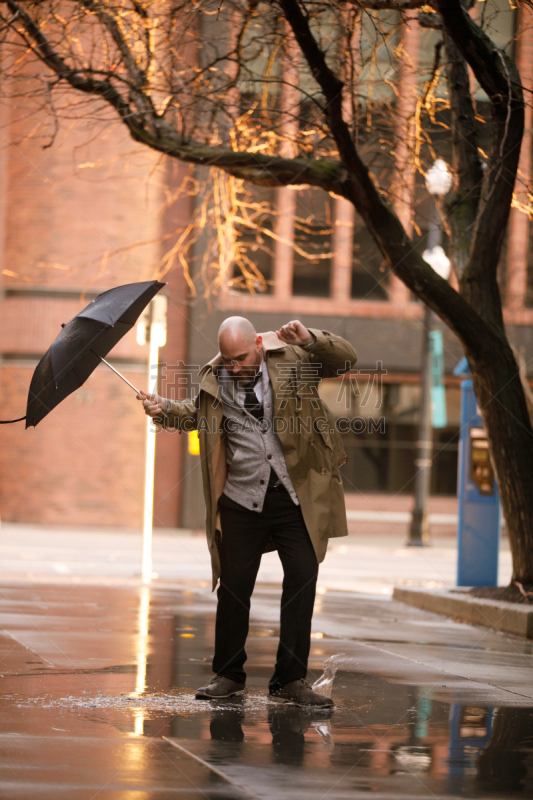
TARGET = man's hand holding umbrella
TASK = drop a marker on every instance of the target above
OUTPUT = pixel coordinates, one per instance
(153, 404)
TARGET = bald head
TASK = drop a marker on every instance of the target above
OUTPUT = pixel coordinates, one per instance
(237, 328)
(240, 347)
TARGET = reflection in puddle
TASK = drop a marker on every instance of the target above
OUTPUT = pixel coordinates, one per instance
(393, 733)
(457, 750)
(142, 653)
(507, 761)
(412, 759)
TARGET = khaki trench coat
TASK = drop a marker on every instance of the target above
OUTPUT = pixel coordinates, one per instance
(306, 428)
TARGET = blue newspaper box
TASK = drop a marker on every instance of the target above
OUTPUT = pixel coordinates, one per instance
(479, 503)
(470, 732)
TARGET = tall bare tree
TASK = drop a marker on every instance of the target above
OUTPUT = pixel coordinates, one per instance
(200, 81)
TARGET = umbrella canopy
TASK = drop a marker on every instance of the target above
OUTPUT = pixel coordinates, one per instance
(83, 342)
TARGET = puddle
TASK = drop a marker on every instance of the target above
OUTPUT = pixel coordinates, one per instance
(168, 703)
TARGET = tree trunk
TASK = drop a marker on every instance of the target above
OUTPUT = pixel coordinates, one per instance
(504, 410)
(501, 766)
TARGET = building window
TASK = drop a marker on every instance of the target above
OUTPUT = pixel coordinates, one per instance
(254, 265)
(368, 270)
(313, 233)
(379, 424)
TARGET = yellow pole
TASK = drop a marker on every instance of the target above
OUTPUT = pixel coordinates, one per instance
(157, 339)
(150, 467)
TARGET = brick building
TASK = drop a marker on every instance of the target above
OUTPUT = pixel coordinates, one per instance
(65, 211)
(69, 216)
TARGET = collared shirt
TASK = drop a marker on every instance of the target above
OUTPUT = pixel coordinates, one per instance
(240, 392)
(253, 447)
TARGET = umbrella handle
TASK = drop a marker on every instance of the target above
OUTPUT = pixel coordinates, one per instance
(116, 372)
(9, 421)
(163, 414)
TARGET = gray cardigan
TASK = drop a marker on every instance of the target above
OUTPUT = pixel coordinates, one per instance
(253, 447)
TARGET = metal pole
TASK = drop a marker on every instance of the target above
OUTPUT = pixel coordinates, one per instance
(435, 229)
(419, 528)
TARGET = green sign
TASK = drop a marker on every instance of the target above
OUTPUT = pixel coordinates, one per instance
(438, 390)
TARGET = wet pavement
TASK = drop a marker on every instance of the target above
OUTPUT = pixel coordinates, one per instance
(98, 701)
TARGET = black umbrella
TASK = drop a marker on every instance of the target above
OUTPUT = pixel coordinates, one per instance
(82, 345)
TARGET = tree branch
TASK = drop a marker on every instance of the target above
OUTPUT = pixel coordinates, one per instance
(500, 79)
(349, 178)
(475, 46)
(254, 167)
(428, 19)
(139, 77)
(42, 48)
(380, 219)
(401, 5)
(464, 205)
(389, 5)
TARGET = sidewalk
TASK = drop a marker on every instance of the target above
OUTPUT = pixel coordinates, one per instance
(377, 514)
(372, 563)
(98, 676)
(98, 684)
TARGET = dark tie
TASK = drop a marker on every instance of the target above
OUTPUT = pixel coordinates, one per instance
(251, 403)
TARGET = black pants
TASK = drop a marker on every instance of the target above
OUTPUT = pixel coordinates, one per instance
(244, 537)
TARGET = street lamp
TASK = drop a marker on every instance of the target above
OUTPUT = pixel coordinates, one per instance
(152, 328)
(439, 178)
(437, 258)
(438, 183)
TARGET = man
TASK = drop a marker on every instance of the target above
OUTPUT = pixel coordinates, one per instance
(270, 457)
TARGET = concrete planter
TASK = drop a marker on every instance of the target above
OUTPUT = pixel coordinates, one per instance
(495, 614)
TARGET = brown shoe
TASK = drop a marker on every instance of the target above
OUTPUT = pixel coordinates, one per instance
(299, 693)
(219, 688)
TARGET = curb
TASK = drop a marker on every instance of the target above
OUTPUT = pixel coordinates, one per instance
(495, 614)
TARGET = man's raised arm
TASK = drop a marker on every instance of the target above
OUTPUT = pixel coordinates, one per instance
(333, 353)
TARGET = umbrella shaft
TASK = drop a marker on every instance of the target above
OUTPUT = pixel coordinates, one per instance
(118, 373)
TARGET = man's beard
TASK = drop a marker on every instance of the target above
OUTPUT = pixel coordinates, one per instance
(245, 375)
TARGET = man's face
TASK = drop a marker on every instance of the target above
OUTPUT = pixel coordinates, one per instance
(242, 359)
